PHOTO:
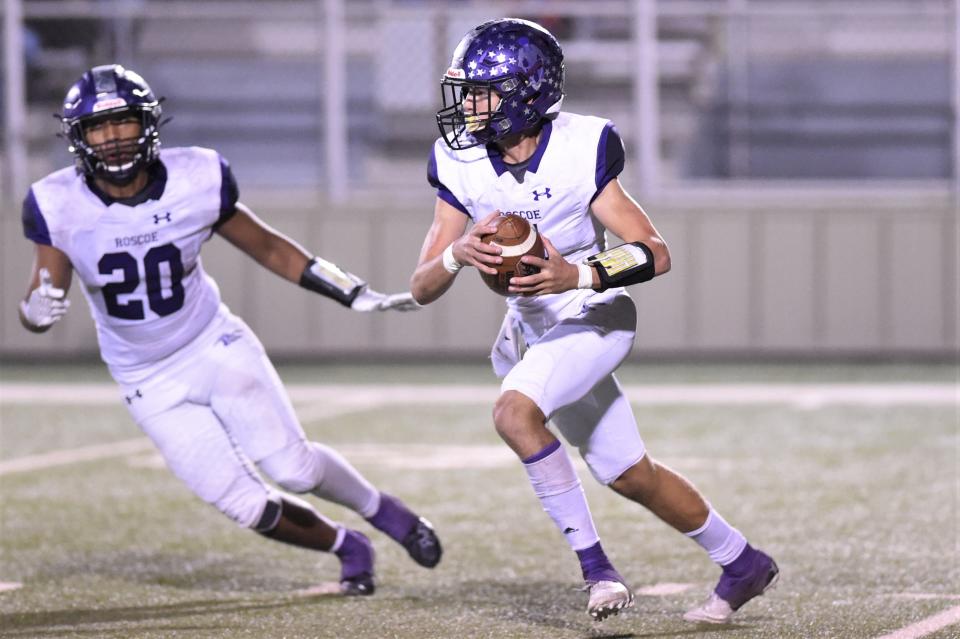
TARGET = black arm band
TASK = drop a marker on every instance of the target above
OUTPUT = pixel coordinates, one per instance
(320, 276)
(623, 265)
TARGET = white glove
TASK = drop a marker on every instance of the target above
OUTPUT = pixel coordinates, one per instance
(46, 304)
(370, 300)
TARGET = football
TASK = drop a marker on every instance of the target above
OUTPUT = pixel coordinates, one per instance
(517, 238)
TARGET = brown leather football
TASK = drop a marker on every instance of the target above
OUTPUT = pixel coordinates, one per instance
(517, 238)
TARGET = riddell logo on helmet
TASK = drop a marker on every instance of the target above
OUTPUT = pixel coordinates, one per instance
(112, 103)
(456, 73)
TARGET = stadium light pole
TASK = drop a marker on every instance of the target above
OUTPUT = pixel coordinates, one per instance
(738, 113)
(646, 95)
(955, 57)
(15, 109)
(951, 256)
(335, 101)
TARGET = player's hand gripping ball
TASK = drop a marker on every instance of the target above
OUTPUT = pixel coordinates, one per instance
(516, 238)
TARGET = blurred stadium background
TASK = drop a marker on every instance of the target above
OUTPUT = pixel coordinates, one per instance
(800, 158)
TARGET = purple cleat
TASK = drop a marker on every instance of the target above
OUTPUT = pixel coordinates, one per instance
(414, 533)
(356, 564)
(748, 576)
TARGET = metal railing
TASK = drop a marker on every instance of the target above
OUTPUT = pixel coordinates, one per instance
(338, 33)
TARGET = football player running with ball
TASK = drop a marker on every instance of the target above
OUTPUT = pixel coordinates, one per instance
(130, 221)
(507, 149)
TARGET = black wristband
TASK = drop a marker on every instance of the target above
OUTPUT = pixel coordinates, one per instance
(338, 285)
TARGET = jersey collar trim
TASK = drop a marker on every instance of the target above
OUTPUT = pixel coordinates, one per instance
(496, 159)
(153, 191)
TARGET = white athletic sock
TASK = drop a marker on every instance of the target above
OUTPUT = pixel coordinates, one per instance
(723, 542)
(341, 534)
(341, 483)
(557, 486)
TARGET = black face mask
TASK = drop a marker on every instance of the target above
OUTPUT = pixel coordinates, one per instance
(468, 118)
(116, 161)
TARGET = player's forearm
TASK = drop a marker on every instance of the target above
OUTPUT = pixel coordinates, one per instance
(284, 258)
(271, 249)
(430, 281)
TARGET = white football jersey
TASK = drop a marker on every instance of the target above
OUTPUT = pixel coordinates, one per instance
(139, 259)
(576, 157)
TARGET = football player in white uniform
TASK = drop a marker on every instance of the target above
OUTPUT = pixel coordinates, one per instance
(507, 149)
(131, 221)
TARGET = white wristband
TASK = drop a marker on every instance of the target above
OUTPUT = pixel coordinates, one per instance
(450, 263)
(585, 279)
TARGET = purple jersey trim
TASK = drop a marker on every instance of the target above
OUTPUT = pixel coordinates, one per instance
(548, 450)
(443, 192)
(496, 159)
(541, 147)
(34, 226)
(229, 194)
(452, 200)
(610, 158)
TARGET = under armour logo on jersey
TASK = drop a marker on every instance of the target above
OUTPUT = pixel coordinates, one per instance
(166, 216)
(546, 193)
(229, 338)
(135, 395)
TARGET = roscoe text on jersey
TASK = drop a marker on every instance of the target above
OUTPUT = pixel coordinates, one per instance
(139, 259)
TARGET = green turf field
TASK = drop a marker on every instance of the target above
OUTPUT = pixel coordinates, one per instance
(858, 503)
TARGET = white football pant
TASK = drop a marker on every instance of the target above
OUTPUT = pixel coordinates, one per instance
(217, 407)
(567, 370)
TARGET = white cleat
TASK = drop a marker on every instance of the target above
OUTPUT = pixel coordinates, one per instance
(738, 590)
(608, 598)
(713, 610)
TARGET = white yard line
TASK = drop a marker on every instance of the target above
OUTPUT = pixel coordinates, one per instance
(363, 395)
(927, 626)
(323, 589)
(74, 455)
(319, 411)
(324, 401)
(802, 395)
(78, 394)
(10, 585)
(401, 456)
(664, 589)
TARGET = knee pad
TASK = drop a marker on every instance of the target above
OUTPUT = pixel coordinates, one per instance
(247, 503)
(272, 510)
(297, 468)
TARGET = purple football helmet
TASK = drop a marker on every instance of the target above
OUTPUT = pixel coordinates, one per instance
(107, 92)
(519, 61)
